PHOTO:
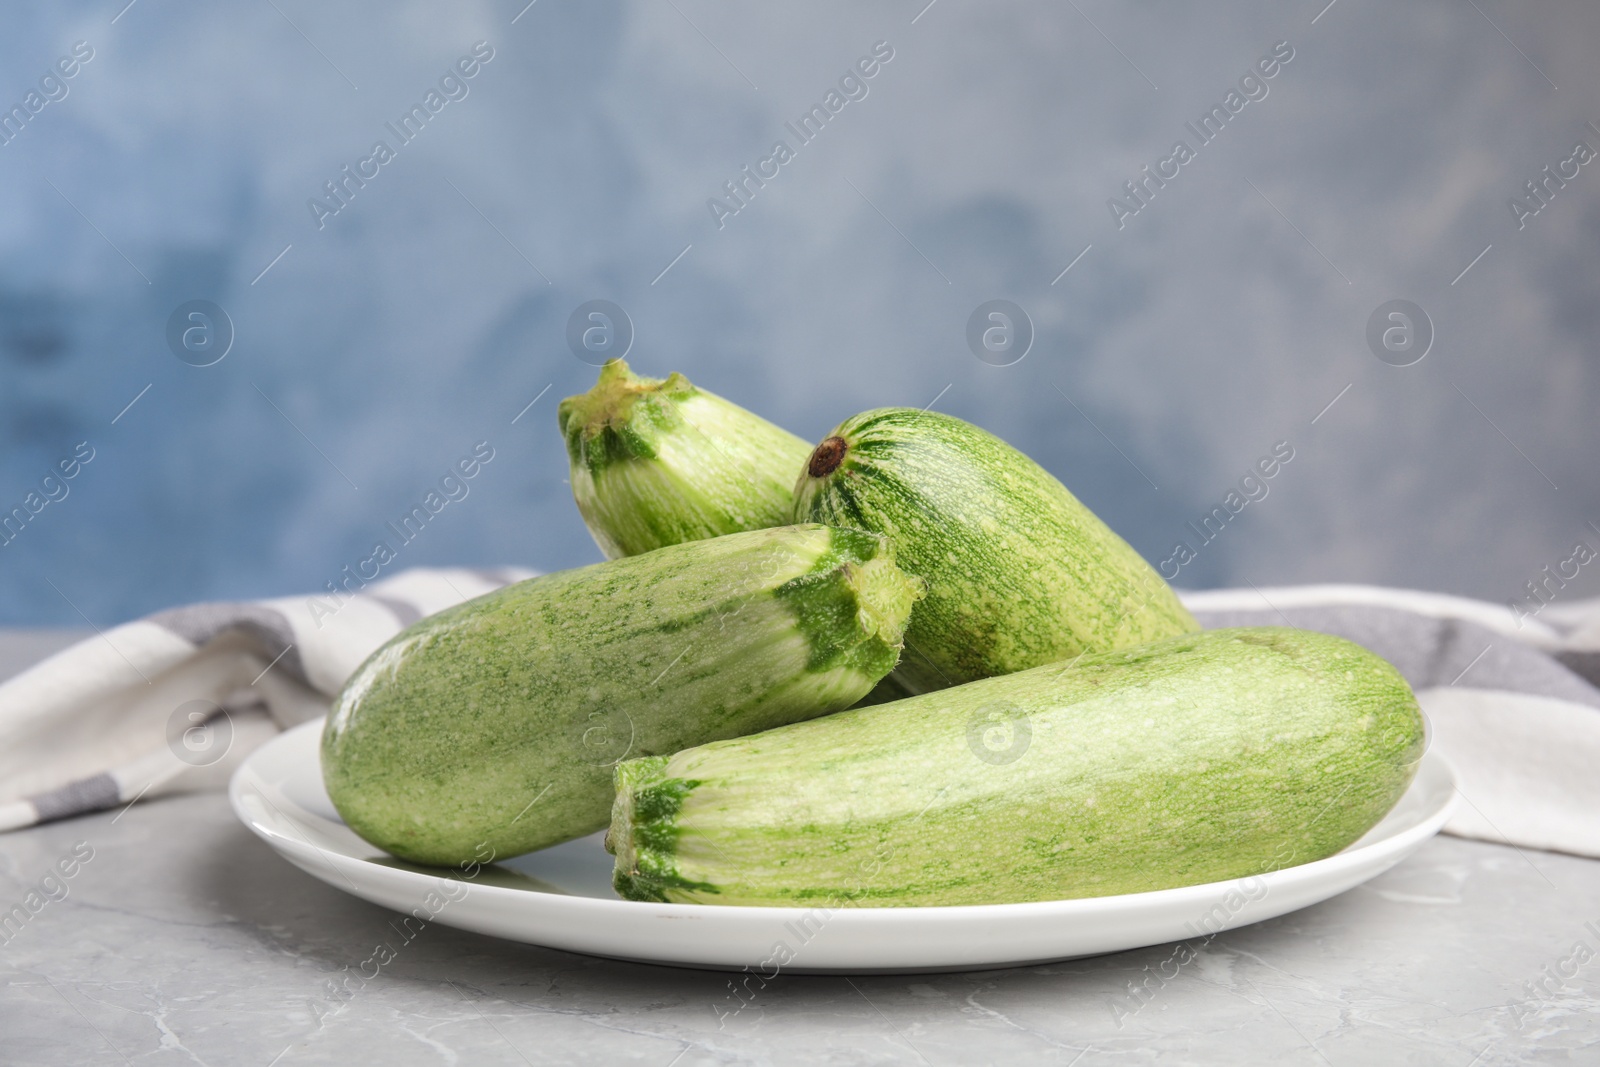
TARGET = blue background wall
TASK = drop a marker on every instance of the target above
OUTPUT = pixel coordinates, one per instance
(427, 313)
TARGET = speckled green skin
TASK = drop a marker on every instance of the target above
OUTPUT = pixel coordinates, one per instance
(495, 725)
(1199, 758)
(658, 462)
(1019, 572)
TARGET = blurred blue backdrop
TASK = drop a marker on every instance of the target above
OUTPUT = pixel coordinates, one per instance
(374, 346)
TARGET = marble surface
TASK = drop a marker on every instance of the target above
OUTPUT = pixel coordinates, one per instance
(185, 940)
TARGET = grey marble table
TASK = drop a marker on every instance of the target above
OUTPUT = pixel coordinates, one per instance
(185, 940)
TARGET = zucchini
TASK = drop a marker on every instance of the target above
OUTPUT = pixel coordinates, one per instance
(658, 462)
(495, 725)
(1199, 758)
(1019, 572)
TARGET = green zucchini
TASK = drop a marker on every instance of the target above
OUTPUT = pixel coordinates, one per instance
(658, 462)
(1200, 758)
(1019, 572)
(493, 727)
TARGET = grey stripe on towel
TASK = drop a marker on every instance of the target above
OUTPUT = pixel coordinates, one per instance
(199, 624)
(503, 576)
(75, 798)
(404, 612)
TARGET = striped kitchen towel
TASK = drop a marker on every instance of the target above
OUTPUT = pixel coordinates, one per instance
(174, 702)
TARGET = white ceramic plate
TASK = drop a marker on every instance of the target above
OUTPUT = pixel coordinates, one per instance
(562, 897)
